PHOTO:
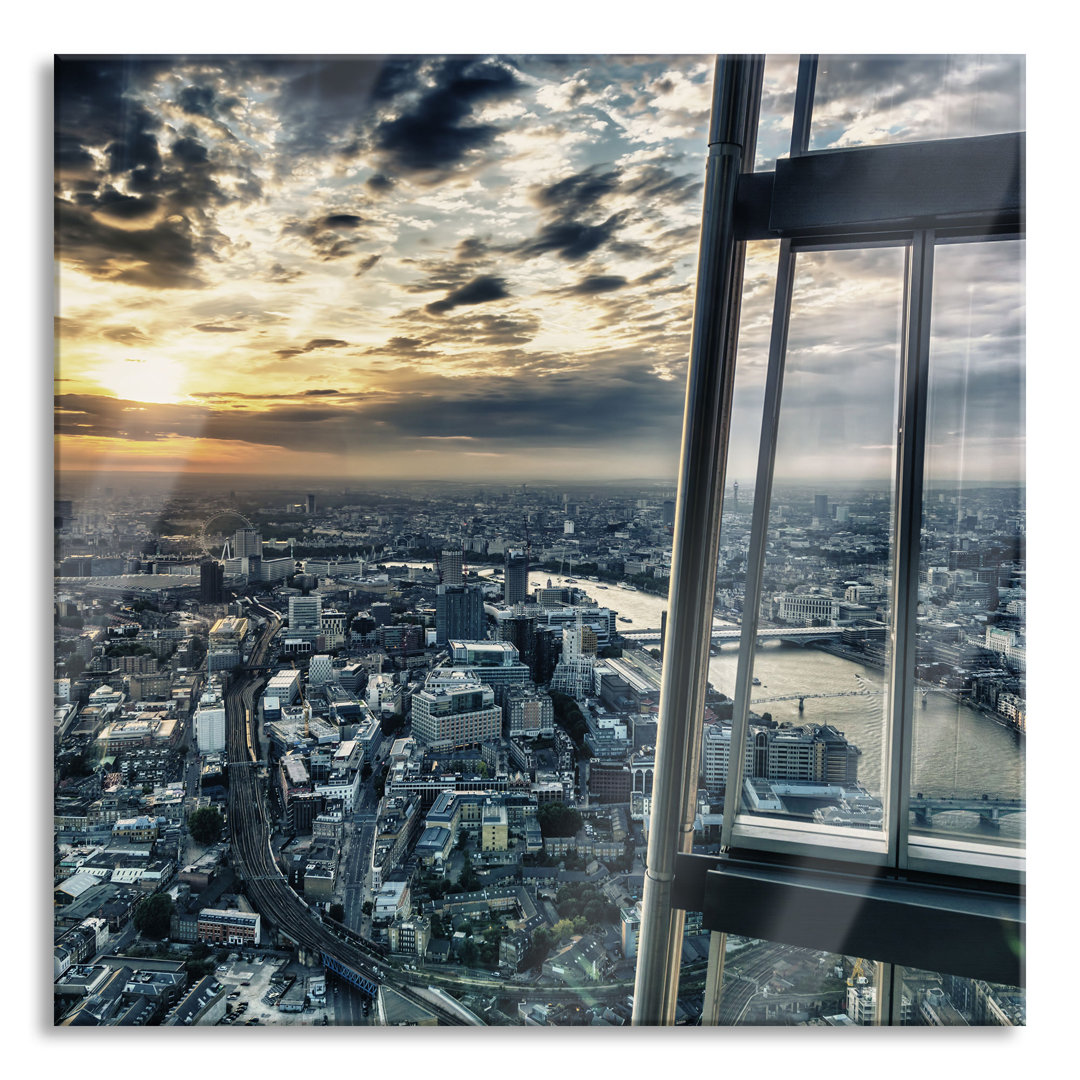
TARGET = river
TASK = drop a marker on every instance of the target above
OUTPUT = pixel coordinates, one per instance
(957, 750)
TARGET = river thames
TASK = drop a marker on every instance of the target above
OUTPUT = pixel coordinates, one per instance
(957, 750)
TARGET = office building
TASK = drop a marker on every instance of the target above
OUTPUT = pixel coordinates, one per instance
(246, 543)
(211, 583)
(452, 566)
(210, 722)
(516, 570)
(459, 613)
(454, 711)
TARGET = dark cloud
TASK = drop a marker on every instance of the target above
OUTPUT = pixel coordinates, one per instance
(598, 283)
(125, 335)
(332, 235)
(365, 264)
(211, 328)
(478, 291)
(312, 345)
(117, 163)
(379, 182)
(433, 132)
(164, 256)
(571, 240)
(579, 193)
(280, 274)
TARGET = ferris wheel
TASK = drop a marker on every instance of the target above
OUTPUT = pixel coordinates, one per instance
(209, 532)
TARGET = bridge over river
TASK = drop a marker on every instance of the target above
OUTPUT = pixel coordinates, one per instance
(800, 635)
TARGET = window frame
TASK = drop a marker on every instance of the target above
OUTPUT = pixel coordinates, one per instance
(893, 846)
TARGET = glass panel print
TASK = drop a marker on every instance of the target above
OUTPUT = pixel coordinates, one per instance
(970, 713)
(817, 704)
(868, 100)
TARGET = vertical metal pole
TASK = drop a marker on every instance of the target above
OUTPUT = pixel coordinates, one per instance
(908, 496)
(702, 469)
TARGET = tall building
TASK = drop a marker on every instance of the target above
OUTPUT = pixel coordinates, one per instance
(305, 617)
(247, 542)
(516, 567)
(821, 507)
(452, 566)
(211, 583)
(210, 723)
(309, 504)
(459, 613)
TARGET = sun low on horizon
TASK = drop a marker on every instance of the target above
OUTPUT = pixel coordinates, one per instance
(386, 266)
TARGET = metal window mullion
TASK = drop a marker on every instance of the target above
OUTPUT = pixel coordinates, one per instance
(774, 381)
(759, 524)
(915, 361)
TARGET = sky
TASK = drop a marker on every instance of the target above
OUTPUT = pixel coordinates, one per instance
(477, 266)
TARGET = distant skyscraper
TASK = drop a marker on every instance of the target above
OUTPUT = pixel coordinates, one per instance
(821, 507)
(669, 511)
(246, 542)
(735, 492)
(451, 567)
(305, 617)
(310, 504)
(211, 583)
(459, 613)
(517, 577)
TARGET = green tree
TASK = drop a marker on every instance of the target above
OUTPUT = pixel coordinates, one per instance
(558, 819)
(205, 825)
(367, 907)
(152, 916)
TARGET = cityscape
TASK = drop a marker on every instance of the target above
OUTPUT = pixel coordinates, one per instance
(370, 381)
(383, 756)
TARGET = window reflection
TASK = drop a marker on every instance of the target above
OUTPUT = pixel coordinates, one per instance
(970, 719)
(817, 702)
(867, 100)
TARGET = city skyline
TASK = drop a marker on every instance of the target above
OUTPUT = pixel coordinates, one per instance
(449, 267)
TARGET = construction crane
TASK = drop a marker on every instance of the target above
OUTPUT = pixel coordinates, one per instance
(858, 973)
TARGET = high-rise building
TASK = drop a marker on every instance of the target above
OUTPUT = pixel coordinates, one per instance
(246, 542)
(211, 583)
(309, 504)
(451, 566)
(516, 568)
(459, 613)
(305, 617)
(821, 507)
(210, 722)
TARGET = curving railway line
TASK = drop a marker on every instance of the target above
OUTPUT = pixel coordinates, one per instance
(266, 887)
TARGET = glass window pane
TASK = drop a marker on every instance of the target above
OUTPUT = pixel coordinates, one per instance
(767, 984)
(930, 999)
(968, 753)
(865, 100)
(818, 707)
(777, 109)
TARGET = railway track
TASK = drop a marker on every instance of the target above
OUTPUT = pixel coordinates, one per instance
(266, 887)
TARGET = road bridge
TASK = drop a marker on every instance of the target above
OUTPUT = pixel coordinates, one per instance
(798, 635)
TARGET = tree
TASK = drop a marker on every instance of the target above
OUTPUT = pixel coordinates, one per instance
(337, 912)
(558, 819)
(205, 825)
(367, 907)
(152, 916)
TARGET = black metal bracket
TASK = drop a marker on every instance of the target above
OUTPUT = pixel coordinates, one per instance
(923, 924)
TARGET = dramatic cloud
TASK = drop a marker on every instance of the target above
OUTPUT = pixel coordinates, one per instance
(349, 265)
(480, 290)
